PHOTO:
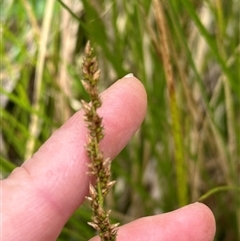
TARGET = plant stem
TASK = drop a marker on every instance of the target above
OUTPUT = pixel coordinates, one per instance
(181, 172)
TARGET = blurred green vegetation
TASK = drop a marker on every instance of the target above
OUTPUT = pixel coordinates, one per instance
(42, 45)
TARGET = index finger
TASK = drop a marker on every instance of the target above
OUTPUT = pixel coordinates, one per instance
(40, 196)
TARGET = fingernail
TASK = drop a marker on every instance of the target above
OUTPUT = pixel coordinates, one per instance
(128, 75)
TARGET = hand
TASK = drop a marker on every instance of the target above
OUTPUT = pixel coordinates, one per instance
(39, 197)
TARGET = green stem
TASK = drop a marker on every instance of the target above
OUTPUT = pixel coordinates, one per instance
(100, 196)
(216, 190)
(181, 170)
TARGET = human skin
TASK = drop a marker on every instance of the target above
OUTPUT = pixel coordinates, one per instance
(40, 196)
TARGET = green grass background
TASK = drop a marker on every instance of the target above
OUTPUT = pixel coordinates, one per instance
(41, 47)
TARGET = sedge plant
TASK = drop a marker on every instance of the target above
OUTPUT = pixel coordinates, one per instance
(99, 166)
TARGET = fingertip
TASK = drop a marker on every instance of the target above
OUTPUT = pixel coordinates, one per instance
(137, 90)
(196, 221)
(132, 85)
(136, 84)
(206, 218)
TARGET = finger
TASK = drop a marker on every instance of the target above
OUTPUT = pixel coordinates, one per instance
(42, 194)
(194, 222)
